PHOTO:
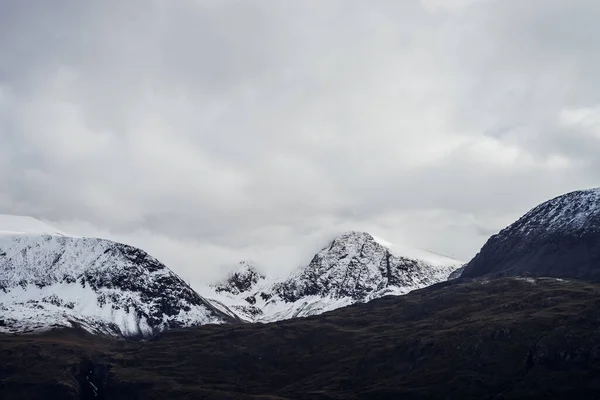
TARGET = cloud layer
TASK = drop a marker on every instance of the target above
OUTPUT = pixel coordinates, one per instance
(209, 131)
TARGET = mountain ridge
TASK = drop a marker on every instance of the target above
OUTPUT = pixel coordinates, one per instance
(106, 287)
(353, 267)
(49, 279)
(559, 238)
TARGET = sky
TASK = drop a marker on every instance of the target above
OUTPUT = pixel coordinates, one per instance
(212, 131)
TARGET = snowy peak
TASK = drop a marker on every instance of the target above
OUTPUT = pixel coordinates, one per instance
(342, 269)
(22, 225)
(357, 266)
(418, 254)
(353, 267)
(51, 279)
(242, 280)
(560, 238)
(348, 241)
(573, 212)
(102, 286)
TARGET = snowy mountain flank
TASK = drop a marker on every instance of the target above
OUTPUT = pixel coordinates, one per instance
(355, 267)
(17, 225)
(48, 279)
(559, 238)
(51, 279)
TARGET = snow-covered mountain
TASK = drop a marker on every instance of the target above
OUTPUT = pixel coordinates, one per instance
(559, 238)
(354, 267)
(18, 225)
(49, 279)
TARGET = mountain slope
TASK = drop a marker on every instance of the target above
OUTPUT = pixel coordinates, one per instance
(20, 225)
(103, 286)
(236, 292)
(559, 238)
(505, 339)
(353, 268)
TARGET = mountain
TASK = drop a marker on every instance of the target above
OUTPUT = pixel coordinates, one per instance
(50, 280)
(355, 267)
(235, 293)
(511, 338)
(242, 280)
(21, 225)
(559, 238)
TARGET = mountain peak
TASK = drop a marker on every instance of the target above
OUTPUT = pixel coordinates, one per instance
(575, 211)
(559, 238)
(349, 242)
(241, 280)
(100, 285)
(354, 235)
(356, 267)
(24, 225)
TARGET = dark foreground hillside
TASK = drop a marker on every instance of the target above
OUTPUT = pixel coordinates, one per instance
(503, 339)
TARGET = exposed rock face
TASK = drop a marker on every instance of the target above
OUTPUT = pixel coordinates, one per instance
(103, 286)
(354, 267)
(235, 293)
(357, 267)
(457, 273)
(240, 281)
(559, 238)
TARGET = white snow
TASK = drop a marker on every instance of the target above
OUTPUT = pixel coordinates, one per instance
(528, 280)
(22, 225)
(42, 284)
(354, 259)
(418, 254)
(34, 308)
(569, 212)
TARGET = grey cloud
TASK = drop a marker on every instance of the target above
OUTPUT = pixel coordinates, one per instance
(207, 131)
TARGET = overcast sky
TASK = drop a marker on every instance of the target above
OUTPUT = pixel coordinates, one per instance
(212, 131)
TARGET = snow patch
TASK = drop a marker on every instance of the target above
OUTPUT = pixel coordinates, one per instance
(418, 254)
(22, 225)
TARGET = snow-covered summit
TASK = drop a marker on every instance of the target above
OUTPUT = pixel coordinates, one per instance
(242, 280)
(577, 211)
(103, 286)
(356, 265)
(560, 238)
(417, 254)
(353, 267)
(51, 279)
(22, 225)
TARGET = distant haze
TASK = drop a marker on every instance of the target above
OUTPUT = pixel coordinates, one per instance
(207, 132)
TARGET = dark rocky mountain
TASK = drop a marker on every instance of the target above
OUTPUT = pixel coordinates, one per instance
(512, 338)
(559, 238)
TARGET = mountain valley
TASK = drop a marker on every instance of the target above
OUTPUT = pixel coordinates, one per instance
(509, 338)
(365, 319)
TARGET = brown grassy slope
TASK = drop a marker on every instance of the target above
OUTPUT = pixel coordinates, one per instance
(503, 339)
